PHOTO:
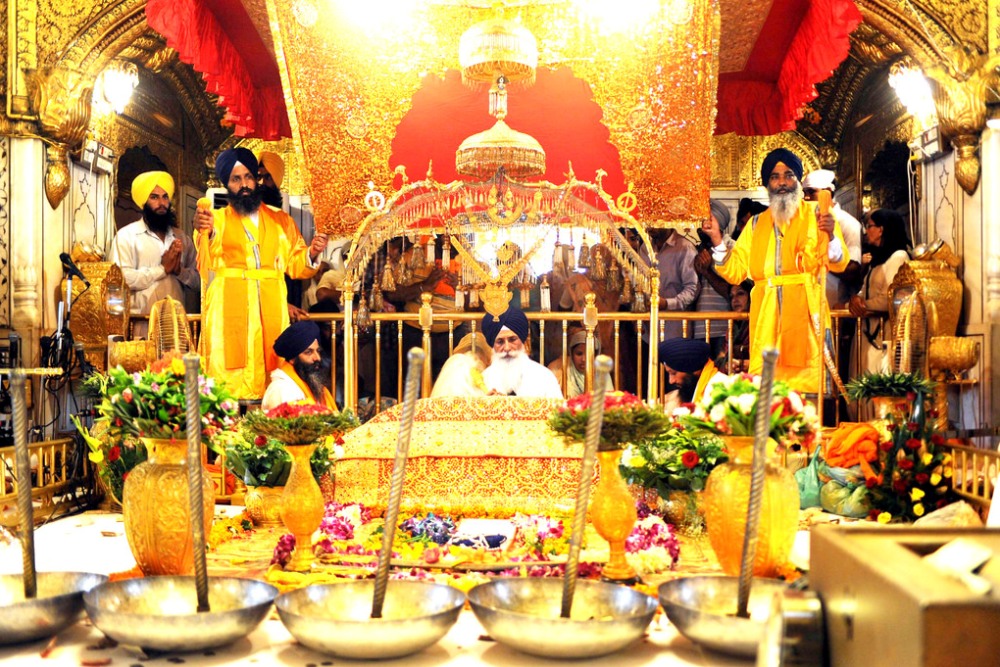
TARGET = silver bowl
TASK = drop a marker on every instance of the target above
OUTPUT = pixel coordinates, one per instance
(703, 609)
(58, 604)
(161, 613)
(336, 618)
(524, 614)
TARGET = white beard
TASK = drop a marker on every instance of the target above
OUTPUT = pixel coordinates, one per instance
(506, 371)
(785, 206)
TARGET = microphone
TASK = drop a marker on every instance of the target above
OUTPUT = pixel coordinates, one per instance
(72, 269)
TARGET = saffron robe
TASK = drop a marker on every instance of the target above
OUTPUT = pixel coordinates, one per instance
(785, 303)
(287, 387)
(246, 305)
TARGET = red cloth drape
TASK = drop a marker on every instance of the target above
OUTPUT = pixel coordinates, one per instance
(218, 39)
(801, 43)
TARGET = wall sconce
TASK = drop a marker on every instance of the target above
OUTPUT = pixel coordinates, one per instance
(114, 86)
(914, 92)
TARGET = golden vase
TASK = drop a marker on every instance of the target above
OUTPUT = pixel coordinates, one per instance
(727, 493)
(263, 504)
(157, 512)
(886, 407)
(301, 506)
(613, 513)
(684, 510)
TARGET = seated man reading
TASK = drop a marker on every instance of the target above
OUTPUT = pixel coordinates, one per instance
(512, 372)
(689, 367)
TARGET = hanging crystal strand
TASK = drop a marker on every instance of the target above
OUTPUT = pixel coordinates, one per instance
(364, 315)
(459, 299)
(571, 255)
(417, 257)
(614, 277)
(473, 298)
(377, 304)
(431, 249)
(388, 279)
(598, 262)
(545, 295)
(639, 303)
(627, 294)
(557, 255)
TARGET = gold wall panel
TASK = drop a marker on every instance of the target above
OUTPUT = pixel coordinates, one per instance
(656, 86)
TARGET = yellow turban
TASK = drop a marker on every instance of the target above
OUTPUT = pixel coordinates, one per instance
(274, 165)
(145, 183)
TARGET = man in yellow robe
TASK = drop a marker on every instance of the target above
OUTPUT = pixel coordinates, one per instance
(250, 248)
(784, 253)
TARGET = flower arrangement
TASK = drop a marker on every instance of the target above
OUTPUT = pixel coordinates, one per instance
(626, 419)
(114, 458)
(870, 385)
(262, 461)
(912, 475)
(152, 403)
(300, 423)
(730, 408)
(675, 460)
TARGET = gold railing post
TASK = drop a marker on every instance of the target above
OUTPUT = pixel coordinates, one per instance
(350, 350)
(426, 319)
(654, 337)
(589, 323)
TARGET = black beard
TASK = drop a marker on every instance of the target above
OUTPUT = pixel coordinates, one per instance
(312, 375)
(270, 196)
(246, 201)
(687, 386)
(159, 222)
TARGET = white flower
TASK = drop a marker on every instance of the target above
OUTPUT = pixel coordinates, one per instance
(744, 402)
(796, 401)
(718, 413)
(809, 411)
(681, 412)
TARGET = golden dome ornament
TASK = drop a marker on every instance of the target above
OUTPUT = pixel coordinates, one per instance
(482, 154)
(496, 47)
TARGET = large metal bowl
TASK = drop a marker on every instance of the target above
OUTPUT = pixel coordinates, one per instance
(703, 609)
(525, 615)
(58, 604)
(161, 613)
(336, 618)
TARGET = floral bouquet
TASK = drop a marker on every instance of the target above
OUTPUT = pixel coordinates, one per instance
(262, 461)
(152, 403)
(675, 460)
(113, 457)
(300, 423)
(913, 472)
(730, 408)
(626, 419)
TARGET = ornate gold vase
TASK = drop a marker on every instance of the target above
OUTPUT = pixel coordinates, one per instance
(263, 504)
(886, 407)
(685, 510)
(727, 493)
(156, 509)
(301, 506)
(613, 513)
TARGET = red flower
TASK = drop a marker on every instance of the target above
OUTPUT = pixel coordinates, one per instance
(911, 396)
(886, 446)
(922, 477)
(937, 439)
(260, 441)
(114, 454)
(913, 443)
(905, 464)
(891, 426)
(127, 395)
(690, 459)
(871, 482)
(873, 514)
(900, 486)
(912, 426)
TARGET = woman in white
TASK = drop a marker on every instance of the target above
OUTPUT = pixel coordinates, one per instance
(888, 245)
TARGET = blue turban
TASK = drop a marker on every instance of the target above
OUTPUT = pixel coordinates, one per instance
(294, 340)
(780, 155)
(512, 318)
(227, 160)
(684, 355)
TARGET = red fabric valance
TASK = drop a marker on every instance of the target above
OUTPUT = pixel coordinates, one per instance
(801, 43)
(218, 39)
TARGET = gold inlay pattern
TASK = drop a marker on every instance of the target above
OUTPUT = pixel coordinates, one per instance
(741, 25)
(664, 66)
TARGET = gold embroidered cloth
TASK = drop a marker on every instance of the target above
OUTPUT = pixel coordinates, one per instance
(484, 456)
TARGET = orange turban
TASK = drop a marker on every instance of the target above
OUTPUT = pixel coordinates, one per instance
(145, 183)
(274, 165)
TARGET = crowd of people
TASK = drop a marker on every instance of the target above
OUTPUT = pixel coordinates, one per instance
(765, 260)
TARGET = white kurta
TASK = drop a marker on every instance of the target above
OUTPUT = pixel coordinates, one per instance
(282, 389)
(536, 381)
(139, 253)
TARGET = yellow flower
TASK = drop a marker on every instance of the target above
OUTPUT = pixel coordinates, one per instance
(96, 456)
(916, 494)
(947, 473)
(918, 509)
(927, 458)
(935, 479)
(636, 462)
(947, 459)
(884, 517)
(176, 366)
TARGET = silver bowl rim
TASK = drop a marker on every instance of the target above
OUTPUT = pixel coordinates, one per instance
(668, 586)
(651, 601)
(101, 579)
(285, 598)
(89, 602)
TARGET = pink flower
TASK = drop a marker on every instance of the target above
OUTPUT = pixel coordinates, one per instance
(127, 395)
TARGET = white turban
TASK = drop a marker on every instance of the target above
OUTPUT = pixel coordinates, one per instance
(821, 179)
